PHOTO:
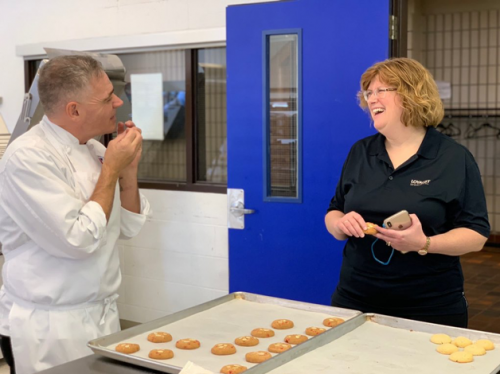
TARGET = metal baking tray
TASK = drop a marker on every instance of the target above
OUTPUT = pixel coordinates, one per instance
(378, 344)
(220, 321)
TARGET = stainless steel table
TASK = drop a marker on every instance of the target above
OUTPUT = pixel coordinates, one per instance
(95, 364)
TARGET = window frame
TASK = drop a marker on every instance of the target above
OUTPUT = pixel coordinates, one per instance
(192, 183)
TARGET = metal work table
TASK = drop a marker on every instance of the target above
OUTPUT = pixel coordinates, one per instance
(95, 364)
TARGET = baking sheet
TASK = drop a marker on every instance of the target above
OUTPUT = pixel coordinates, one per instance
(384, 345)
(234, 316)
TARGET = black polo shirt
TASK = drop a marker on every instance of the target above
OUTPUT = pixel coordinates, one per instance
(442, 185)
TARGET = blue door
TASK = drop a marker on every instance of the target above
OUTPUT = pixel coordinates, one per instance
(292, 115)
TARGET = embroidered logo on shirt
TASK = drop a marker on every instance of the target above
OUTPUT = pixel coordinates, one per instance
(101, 159)
(417, 183)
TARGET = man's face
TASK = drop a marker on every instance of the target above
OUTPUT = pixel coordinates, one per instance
(99, 105)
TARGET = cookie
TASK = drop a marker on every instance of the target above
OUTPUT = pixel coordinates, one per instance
(447, 348)
(262, 333)
(127, 348)
(475, 350)
(461, 357)
(233, 369)
(370, 228)
(279, 347)
(440, 339)
(223, 349)
(295, 339)
(333, 321)
(258, 356)
(159, 337)
(187, 344)
(462, 342)
(246, 341)
(282, 324)
(161, 354)
(485, 343)
(313, 331)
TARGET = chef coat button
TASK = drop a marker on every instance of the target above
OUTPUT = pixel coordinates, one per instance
(391, 178)
(68, 150)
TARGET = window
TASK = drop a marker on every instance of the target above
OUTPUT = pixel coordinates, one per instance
(211, 116)
(283, 117)
(192, 155)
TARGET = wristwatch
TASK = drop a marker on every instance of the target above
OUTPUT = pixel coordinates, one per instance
(425, 249)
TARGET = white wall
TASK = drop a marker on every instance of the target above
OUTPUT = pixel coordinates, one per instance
(181, 257)
(100, 25)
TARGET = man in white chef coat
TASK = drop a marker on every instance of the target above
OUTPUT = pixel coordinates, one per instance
(65, 200)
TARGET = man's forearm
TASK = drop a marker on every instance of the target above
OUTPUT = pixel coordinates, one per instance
(104, 192)
(129, 192)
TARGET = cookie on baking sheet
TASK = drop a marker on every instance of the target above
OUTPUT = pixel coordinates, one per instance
(187, 344)
(440, 339)
(279, 347)
(246, 341)
(233, 369)
(461, 357)
(223, 349)
(262, 333)
(485, 343)
(282, 324)
(447, 348)
(161, 354)
(332, 321)
(313, 331)
(475, 350)
(159, 337)
(127, 348)
(258, 356)
(462, 342)
(295, 339)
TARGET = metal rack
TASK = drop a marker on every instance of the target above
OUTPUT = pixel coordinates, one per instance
(449, 113)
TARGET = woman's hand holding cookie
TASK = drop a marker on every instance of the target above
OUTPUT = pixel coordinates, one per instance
(352, 224)
(370, 229)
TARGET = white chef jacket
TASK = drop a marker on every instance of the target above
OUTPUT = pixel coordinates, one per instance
(61, 270)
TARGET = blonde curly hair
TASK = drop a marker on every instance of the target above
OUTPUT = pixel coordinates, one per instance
(419, 94)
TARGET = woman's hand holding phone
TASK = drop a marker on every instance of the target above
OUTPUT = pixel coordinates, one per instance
(408, 239)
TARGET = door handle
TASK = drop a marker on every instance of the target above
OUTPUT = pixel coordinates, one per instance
(236, 209)
(239, 209)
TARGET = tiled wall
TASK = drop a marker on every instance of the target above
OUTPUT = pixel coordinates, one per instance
(180, 258)
(463, 48)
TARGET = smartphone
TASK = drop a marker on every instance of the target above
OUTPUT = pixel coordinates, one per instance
(399, 221)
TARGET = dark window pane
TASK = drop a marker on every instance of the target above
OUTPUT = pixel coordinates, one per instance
(162, 160)
(211, 115)
(283, 116)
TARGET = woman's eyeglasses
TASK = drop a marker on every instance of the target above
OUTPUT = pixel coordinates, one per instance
(379, 92)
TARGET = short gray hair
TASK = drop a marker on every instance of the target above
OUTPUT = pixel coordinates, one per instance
(64, 78)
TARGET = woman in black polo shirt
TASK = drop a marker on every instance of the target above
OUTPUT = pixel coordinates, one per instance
(407, 165)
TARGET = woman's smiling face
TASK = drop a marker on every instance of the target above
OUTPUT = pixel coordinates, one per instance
(385, 106)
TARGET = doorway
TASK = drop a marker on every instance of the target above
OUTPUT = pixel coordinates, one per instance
(459, 42)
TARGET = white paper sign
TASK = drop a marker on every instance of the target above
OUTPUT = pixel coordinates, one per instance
(444, 89)
(147, 104)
